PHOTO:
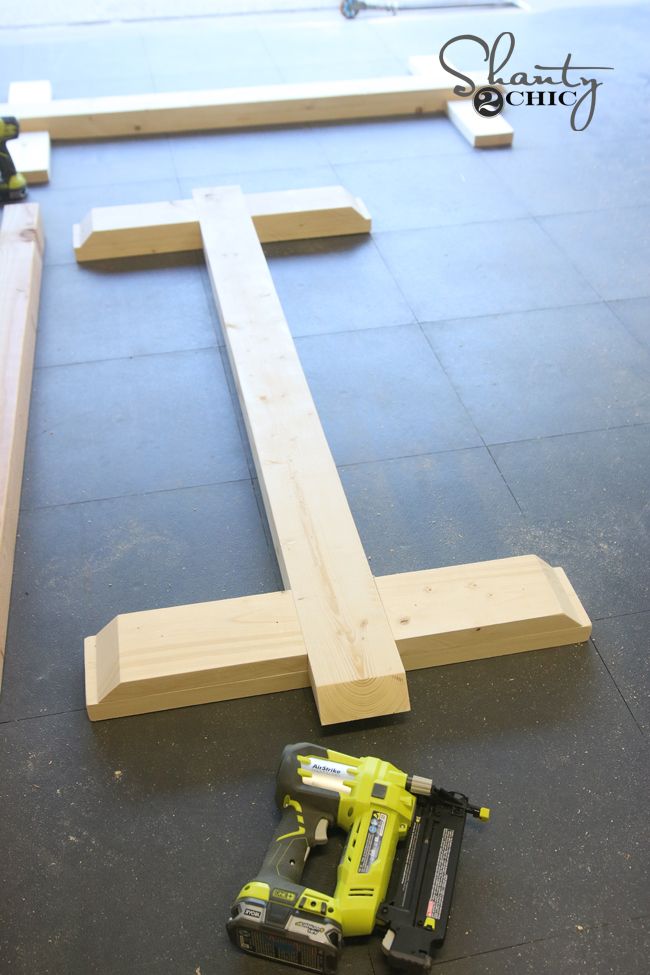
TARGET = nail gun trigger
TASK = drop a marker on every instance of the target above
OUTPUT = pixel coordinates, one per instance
(320, 833)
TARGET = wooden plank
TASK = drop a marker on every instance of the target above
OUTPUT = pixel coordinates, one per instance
(31, 155)
(171, 227)
(31, 151)
(235, 108)
(355, 668)
(480, 132)
(214, 651)
(21, 255)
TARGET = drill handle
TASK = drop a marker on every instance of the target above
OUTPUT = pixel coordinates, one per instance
(294, 837)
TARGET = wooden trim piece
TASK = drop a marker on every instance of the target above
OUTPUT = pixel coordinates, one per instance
(214, 651)
(482, 133)
(31, 150)
(235, 108)
(171, 227)
(21, 257)
(355, 668)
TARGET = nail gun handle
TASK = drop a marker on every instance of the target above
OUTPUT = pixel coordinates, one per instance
(289, 848)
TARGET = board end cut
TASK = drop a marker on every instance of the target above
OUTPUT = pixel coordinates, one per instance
(369, 697)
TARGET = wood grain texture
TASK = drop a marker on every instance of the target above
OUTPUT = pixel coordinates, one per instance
(171, 227)
(31, 151)
(235, 108)
(21, 257)
(214, 651)
(355, 668)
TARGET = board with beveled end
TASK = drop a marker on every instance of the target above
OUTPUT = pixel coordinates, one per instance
(21, 259)
(173, 226)
(231, 648)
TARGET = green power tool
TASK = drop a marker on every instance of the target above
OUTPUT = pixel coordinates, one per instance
(397, 869)
(13, 185)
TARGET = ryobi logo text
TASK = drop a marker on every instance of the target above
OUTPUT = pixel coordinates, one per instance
(559, 85)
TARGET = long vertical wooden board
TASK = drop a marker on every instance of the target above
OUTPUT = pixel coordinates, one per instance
(355, 667)
(21, 256)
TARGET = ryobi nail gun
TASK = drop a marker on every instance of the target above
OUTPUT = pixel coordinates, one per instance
(405, 889)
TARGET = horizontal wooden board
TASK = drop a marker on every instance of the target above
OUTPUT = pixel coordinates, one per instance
(173, 226)
(235, 108)
(194, 654)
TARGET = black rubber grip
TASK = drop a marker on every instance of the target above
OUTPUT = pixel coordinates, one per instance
(287, 853)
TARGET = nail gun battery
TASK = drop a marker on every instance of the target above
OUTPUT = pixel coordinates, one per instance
(418, 903)
(284, 933)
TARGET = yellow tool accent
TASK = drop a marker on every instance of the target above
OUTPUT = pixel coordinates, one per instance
(429, 922)
(288, 801)
(484, 813)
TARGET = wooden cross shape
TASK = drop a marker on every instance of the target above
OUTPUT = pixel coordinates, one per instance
(336, 626)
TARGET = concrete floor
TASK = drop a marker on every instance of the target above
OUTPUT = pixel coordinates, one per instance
(482, 370)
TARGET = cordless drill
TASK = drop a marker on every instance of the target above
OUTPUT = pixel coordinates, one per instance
(13, 185)
(277, 917)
